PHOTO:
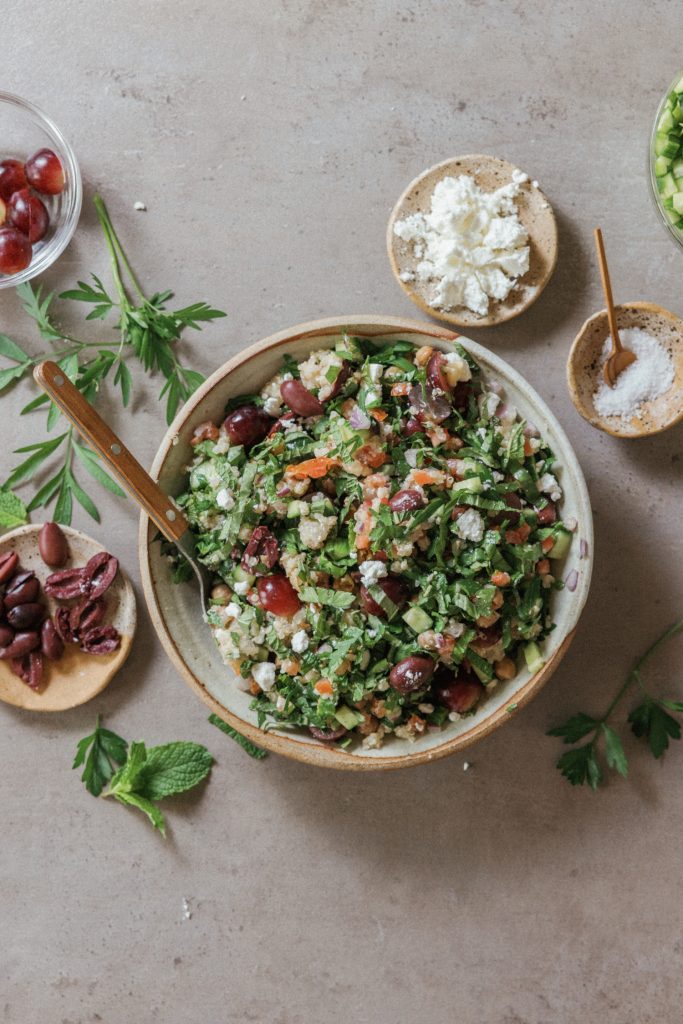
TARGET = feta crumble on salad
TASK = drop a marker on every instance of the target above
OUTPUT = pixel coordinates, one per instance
(383, 528)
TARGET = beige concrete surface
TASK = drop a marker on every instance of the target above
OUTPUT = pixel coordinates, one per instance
(269, 141)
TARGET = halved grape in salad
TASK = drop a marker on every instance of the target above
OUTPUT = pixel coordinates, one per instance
(382, 526)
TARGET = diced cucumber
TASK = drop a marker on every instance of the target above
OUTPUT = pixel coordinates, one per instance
(666, 121)
(666, 185)
(562, 544)
(678, 87)
(661, 141)
(672, 216)
(533, 657)
(677, 168)
(349, 346)
(473, 484)
(337, 548)
(296, 509)
(672, 148)
(678, 203)
(241, 576)
(668, 203)
(347, 717)
(417, 619)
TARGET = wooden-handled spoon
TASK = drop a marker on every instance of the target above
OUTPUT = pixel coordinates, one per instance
(138, 483)
(620, 357)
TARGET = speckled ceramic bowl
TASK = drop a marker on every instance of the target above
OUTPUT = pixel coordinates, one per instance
(584, 369)
(535, 213)
(176, 612)
(76, 677)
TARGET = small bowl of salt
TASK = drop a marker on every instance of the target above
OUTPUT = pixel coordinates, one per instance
(648, 395)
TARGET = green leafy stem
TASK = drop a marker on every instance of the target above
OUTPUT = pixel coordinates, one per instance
(649, 720)
(146, 331)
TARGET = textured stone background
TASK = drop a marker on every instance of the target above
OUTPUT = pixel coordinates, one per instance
(269, 141)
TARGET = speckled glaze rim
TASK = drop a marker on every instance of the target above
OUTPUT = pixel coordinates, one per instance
(313, 752)
(573, 361)
(500, 314)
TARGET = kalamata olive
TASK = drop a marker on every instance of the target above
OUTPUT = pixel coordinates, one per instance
(101, 640)
(100, 572)
(25, 616)
(66, 584)
(8, 565)
(247, 425)
(63, 626)
(299, 399)
(327, 735)
(53, 545)
(51, 643)
(412, 426)
(86, 615)
(395, 589)
(22, 644)
(406, 500)
(261, 551)
(341, 378)
(487, 637)
(460, 396)
(277, 595)
(6, 635)
(22, 589)
(435, 373)
(29, 668)
(514, 502)
(429, 403)
(458, 693)
(413, 673)
(547, 515)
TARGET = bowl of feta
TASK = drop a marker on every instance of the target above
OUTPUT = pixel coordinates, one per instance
(473, 241)
(399, 534)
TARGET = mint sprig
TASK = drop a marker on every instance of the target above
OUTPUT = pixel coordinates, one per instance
(12, 510)
(649, 720)
(144, 775)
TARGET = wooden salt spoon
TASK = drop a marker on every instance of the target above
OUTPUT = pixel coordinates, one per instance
(620, 357)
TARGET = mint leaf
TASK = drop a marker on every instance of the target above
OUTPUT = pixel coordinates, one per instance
(12, 510)
(146, 806)
(124, 781)
(326, 596)
(614, 751)
(246, 744)
(100, 752)
(173, 768)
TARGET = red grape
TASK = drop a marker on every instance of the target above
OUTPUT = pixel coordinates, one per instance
(457, 693)
(299, 399)
(3, 212)
(15, 251)
(413, 673)
(247, 425)
(395, 589)
(277, 595)
(12, 178)
(27, 213)
(45, 173)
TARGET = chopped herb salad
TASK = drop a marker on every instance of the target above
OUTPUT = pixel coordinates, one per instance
(383, 528)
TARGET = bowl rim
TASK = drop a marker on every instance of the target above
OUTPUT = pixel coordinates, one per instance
(312, 752)
(492, 319)
(675, 233)
(74, 194)
(572, 376)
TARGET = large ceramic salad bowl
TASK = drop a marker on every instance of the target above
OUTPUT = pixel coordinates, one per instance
(175, 609)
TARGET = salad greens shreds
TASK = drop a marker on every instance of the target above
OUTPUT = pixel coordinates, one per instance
(383, 528)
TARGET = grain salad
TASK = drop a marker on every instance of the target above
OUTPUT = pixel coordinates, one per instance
(383, 528)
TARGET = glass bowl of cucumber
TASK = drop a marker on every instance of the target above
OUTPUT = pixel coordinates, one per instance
(666, 158)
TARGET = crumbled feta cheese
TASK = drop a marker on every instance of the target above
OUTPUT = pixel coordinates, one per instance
(264, 675)
(410, 455)
(300, 642)
(454, 716)
(272, 406)
(470, 525)
(406, 275)
(372, 571)
(466, 766)
(549, 485)
(456, 369)
(314, 531)
(471, 244)
(241, 587)
(519, 177)
(491, 403)
(497, 477)
(224, 499)
(232, 610)
(281, 703)
(375, 371)
(139, 206)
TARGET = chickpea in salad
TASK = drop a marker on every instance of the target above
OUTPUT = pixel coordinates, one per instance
(383, 527)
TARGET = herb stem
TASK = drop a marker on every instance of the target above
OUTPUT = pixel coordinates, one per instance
(115, 246)
(634, 674)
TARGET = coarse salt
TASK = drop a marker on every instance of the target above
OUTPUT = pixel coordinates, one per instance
(644, 380)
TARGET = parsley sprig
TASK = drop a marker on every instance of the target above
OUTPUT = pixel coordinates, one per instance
(140, 776)
(649, 720)
(145, 329)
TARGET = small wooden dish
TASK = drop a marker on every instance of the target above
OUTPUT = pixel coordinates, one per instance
(76, 677)
(584, 369)
(535, 213)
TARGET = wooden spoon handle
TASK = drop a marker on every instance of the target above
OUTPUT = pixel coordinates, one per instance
(139, 484)
(607, 290)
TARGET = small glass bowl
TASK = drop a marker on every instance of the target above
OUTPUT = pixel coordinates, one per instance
(23, 130)
(674, 231)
